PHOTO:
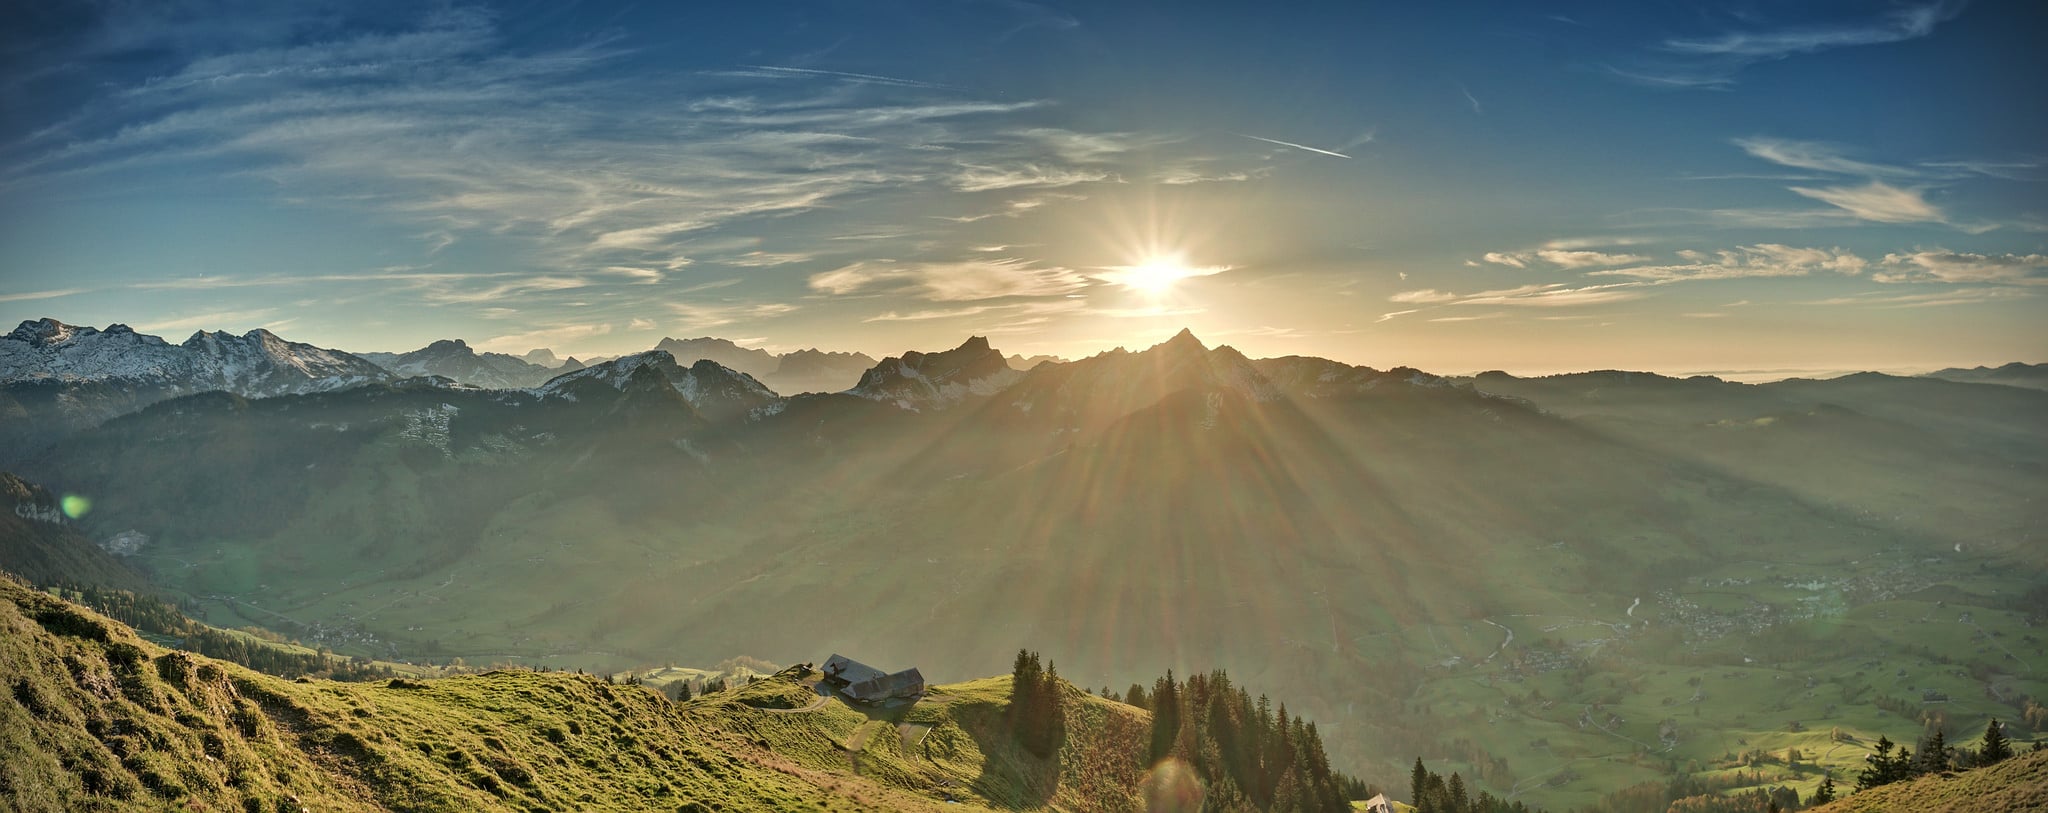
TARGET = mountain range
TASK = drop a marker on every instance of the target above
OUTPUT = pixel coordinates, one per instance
(2016, 374)
(1407, 557)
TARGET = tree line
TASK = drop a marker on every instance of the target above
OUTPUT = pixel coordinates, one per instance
(148, 614)
(1886, 765)
(1432, 793)
(1249, 754)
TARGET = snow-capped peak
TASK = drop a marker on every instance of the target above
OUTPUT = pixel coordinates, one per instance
(712, 388)
(257, 363)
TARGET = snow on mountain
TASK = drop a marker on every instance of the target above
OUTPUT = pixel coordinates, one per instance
(49, 349)
(930, 381)
(714, 390)
(257, 363)
(453, 358)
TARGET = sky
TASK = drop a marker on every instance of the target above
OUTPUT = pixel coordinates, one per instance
(1728, 187)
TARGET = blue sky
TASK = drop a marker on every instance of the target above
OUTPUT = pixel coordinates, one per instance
(1457, 186)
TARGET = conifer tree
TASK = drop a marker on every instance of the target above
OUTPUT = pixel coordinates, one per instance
(1995, 747)
(1881, 768)
(1165, 716)
(1935, 755)
(1825, 793)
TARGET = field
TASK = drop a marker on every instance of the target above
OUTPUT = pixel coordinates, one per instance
(1731, 670)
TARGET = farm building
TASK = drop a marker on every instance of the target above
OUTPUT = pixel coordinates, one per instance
(907, 683)
(848, 671)
(870, 685)
(1379, 804)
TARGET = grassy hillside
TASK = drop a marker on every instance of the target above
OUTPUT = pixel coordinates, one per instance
(2017, 785)
(98, 719)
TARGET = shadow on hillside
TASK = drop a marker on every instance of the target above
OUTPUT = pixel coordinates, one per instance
(1010, 777)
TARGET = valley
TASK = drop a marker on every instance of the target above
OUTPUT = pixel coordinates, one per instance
(1557, 595)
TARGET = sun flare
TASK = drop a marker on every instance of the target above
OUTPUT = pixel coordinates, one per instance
(1157, 274)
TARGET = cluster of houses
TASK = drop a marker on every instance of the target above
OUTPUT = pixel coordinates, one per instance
(859, 681)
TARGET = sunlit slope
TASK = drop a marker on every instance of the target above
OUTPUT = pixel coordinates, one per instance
(2017, 785)
(100, 719)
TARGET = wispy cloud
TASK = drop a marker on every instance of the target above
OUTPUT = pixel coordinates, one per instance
(211, 320)
(1479, 317)
(542, 337)
(1936, 299)
(1896, 25)
(1426, 295)
(975, 178)
(443, 124)
(784, 72)
(1671, 78)
(1817, 155)
(1884, 197)
(699, 315)
(1878, 201)
(28, 296)
(930, 314)
(1477, 109)
(1536, 295)
(1713, 61)
(958, 281)
(1561, 258)
(1760, 260)
(1964, 267)
(1555, 295)
(767, 259)
(1018, 313)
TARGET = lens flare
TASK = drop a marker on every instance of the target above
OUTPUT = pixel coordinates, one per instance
(75, 505)
(1172, 787)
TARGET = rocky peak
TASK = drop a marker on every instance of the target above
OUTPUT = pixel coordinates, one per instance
(46, 331)
(1182, 342)
(916, 380)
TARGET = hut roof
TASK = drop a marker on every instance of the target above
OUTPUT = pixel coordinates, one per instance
(907, 683)
(840, 667)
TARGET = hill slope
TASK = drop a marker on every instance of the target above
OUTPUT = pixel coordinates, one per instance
(2013, 786)
(99, 719)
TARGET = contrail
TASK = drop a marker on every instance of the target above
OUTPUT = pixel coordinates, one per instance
(1294, 145)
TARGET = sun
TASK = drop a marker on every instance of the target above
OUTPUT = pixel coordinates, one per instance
(1157, 274)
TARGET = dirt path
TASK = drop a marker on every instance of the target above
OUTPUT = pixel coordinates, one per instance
(1503, 644)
